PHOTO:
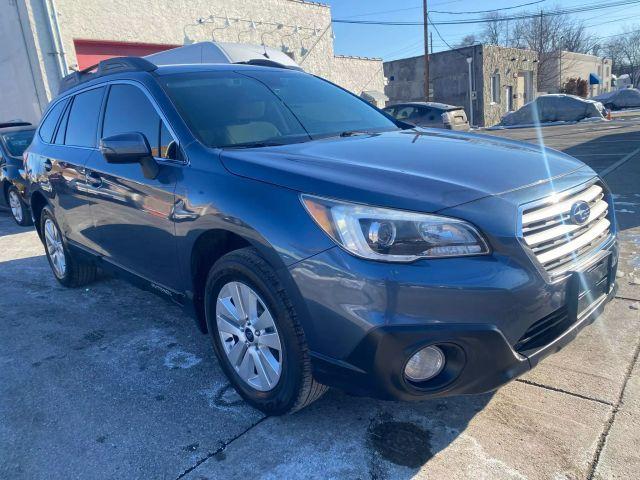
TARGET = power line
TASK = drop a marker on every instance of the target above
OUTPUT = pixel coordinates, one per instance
(490, 11)
(468, 21)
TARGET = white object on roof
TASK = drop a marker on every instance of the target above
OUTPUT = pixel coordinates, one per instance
(222, 52)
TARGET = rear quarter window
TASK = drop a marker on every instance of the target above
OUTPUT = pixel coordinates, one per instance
(48, 125)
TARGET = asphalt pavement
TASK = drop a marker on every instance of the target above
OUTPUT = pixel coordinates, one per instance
(109, 381)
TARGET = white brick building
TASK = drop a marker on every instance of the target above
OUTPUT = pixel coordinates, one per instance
(43, 40)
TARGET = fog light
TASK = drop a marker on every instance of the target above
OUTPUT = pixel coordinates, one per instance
(424, 364)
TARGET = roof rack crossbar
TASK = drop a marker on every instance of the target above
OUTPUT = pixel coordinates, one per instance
(106, 67)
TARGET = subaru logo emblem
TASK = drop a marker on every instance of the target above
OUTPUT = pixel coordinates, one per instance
(580, 212)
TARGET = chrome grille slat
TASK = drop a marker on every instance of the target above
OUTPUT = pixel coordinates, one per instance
(556, 242)
(561, 207)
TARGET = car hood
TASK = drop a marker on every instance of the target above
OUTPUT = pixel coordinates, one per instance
(419, 169)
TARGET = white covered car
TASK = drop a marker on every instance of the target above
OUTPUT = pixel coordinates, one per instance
(554, 108)
(620, 99)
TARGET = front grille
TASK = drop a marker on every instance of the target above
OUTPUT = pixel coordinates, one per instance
(544, 331)
(559, 244)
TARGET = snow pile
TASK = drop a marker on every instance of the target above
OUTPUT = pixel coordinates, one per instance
(554, 108)
(625, 98)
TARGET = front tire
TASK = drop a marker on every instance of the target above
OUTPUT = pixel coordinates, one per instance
(70, 270)
(19, 210)
(256, 335)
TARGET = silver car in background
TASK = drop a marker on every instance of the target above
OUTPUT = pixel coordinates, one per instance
(430, 114)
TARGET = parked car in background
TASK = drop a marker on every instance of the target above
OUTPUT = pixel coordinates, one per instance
(318, 241)
(620, 99)
(557, 107)
(430, 114)
(15, 137)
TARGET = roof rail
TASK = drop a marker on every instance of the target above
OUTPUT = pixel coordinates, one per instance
(106, 67)
(14, 123)
(269, 63)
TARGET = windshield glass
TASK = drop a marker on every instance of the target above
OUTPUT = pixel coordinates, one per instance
(259, 108)
(17, 142)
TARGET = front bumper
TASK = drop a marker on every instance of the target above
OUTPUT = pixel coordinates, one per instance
(376, 367)
(366, 325)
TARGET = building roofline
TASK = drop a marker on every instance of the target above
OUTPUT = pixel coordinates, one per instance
(307, 2)
(358, 57)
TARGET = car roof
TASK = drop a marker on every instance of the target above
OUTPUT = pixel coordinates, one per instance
(440, 106)
(163, 70)
(214, 67)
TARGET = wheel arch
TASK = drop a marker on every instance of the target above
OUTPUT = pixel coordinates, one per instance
(37, 203)
(210, 246)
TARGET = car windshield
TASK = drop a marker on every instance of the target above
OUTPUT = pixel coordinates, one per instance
(264, 108)
(17, 142)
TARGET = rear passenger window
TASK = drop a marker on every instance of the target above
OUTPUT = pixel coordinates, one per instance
(129, 110)
(48, 126)
(83, 118)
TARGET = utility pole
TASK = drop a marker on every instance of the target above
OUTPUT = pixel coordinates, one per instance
(426, 51)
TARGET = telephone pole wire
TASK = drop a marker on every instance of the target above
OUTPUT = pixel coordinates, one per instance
(426, 51)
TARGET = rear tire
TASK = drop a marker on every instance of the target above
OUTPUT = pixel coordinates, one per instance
(286, 389)
(70, 270)
(19, 210)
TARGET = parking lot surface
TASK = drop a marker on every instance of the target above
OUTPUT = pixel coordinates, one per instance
(109, 381)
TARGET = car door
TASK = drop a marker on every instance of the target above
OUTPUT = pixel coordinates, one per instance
(133, 213)
(68, 138)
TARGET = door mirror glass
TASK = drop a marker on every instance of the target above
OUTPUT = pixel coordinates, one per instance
(130, 147)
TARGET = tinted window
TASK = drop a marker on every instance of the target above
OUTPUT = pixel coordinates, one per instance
(17, 142)
(62, 127)
(230, 108)
(83, 118)
(129, 110)
(48, 125)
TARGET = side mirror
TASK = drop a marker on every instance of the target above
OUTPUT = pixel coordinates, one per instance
(130, 147)
(125, 148)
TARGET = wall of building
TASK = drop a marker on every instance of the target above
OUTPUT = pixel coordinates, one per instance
(578, 65)
(568, 65)
(449, 72)
(20, 97)
(508, 63)
(301, 28)
(405, 80)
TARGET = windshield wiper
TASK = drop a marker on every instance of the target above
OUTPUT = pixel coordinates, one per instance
(254, 145)
(351, 133)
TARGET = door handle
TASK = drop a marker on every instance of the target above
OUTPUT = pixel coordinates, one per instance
(94, 179)
(47, 165)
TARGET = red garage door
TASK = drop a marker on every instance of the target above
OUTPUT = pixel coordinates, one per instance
(90, 52)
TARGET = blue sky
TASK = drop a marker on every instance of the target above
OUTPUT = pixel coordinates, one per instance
(390, 42)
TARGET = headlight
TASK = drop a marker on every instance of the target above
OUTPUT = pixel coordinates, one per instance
(393, 235)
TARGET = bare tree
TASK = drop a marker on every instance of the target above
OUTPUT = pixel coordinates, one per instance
(467, 40)
(495, 31)
(624, 51)
(548, 34)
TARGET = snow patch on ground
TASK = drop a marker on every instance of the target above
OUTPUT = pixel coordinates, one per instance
(181, 359)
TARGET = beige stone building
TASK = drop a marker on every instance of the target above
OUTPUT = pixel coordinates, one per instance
(565, 65)
(486, 80)
(43, 40)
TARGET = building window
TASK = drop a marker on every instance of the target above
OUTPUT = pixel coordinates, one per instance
(495, 88)
(608, 71)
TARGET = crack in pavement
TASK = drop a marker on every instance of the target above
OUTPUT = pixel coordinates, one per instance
(567, 392)
(612, 416)
(221, 449)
